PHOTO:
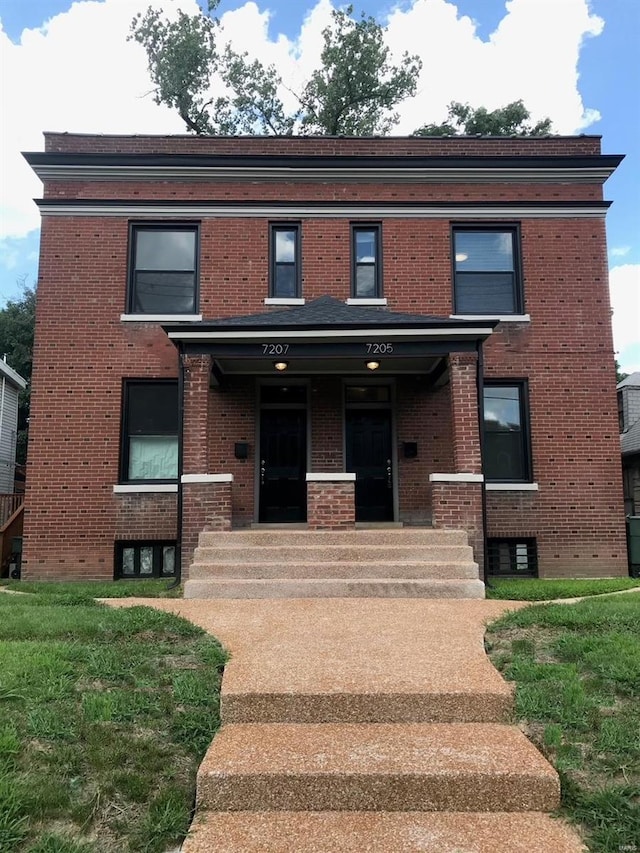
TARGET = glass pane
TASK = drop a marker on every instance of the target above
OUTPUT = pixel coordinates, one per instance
(153, 457)
(483, 250)
(153, 408)
(283, 394)
(128, 561)
(365, 246)
(502, 408)
(367, 394)
(165, 250)
(146, 560)
(168, 559)
(504, 456)
(164, 293)
(366, 280)
(285, 283)
(285, 246)
(485, 293)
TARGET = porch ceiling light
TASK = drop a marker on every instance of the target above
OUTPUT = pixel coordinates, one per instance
(373, 365)
(281, 365)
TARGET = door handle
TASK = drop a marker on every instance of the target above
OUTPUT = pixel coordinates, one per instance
(262, 471)
(389, 479)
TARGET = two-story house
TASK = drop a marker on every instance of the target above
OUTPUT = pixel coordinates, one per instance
(322, 333)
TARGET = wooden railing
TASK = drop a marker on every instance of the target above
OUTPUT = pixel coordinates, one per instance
(8, 505)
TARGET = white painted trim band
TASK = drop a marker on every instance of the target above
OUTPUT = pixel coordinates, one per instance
(335, 477)
(287, 335)
(142, 488)
(504, 318)
(207, 478)
(160, 318)
(281, 300)
(456, 478)
(354, 300)
(512, 487)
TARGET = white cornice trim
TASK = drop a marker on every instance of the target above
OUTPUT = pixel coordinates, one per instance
(133, 488)
(289, 335)
(331, 477)
(456, 478)
(206, 478)
(512, 487)
(427, 175)
(160, 318)
(205, 210)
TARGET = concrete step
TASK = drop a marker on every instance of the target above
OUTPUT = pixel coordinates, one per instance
(368, 587)
(346, 767)
(386, 536)
(350, 553)
(342, 570)
(380, 832)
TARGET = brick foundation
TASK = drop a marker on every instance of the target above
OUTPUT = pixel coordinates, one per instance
(458, 506)
(205, 506)
(330, 503)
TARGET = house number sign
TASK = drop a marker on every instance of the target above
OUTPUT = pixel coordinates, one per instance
(370, 349)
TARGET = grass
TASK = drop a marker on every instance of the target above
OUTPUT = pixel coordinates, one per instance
(99, 589)
(534, 589)
(577, 671)
(105, 715)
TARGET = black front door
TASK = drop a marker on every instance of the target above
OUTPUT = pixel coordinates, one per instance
(283, 456)
(368, 446)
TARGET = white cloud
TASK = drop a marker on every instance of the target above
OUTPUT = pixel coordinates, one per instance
(620, 251)
(77, 72)
(624, 287)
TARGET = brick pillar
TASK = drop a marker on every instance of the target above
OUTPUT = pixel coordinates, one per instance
(456, 501)
(464, 412)
(331, 501)
(195, 429)
(206, 505)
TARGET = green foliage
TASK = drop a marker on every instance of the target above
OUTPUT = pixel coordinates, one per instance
(535, 589)
(462, 119)
(81, 591)
(354, 91)
(17, 325)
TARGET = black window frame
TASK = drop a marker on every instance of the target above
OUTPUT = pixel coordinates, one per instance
(525, 429)
(137, 544)
(357, 227)
(496, 546)
(128, 385)
(134, 229)
(274, 229)
(518, 282)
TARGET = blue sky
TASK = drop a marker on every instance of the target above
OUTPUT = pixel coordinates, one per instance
(574, 60)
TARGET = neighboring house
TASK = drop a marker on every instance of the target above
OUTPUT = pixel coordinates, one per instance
(629, 418)
(11, 383)
(235, 331)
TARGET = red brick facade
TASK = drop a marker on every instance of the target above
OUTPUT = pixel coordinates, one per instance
(84, 350)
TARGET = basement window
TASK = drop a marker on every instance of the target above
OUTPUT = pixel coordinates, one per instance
(145, 560)
(513, 557)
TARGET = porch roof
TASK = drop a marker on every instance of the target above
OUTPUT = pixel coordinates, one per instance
(329, 336)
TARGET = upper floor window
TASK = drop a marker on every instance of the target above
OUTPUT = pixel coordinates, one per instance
(285, 261)
(507, 449)
(487, 271)
(163, 275)
(149, 431)
(366, 277)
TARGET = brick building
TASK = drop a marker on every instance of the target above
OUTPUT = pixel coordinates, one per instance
(322, 331)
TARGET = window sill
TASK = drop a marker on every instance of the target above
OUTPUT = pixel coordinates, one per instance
(356, 300)
(160, 318)
(512, 487)
(283, 300)
(504, 318)
(456, 478)
(133, 488)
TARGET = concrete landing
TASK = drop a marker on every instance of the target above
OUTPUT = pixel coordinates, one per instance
(379, 832)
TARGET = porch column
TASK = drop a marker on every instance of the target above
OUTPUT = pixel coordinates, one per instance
(195, 423)
(331, 501)
(456, 496)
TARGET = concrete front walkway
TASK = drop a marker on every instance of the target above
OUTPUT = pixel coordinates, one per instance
(366, 725)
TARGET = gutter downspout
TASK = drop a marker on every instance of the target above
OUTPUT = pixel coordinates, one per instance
(178, 577)
(480, 387)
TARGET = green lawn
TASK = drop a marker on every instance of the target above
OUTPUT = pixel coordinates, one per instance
(104, 717)
(99, 589)
(534, 589)
(577, 671)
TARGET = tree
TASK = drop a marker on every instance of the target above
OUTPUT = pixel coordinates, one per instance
(462, 119)
(354, 92)
(17, 323)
